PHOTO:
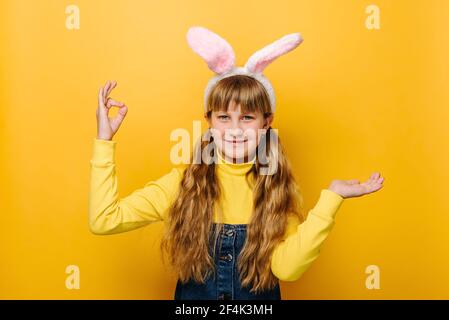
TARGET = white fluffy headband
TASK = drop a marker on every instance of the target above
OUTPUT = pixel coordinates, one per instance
(220, 58)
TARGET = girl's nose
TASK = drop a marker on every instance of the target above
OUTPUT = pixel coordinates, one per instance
(235, 131)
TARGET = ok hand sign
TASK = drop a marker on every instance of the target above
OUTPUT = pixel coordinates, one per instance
(107, 127)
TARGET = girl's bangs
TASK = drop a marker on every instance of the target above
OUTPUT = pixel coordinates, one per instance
(239, 90)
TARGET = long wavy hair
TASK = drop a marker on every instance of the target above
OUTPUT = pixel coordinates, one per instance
(191, 233)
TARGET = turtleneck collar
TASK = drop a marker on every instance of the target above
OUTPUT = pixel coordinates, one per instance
(238, 169)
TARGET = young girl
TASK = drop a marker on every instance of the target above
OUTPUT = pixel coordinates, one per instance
(233, 220)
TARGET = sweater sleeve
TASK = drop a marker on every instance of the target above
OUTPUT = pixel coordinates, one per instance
(294, 255)
(109, 214)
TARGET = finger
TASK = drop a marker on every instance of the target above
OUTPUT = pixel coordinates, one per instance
(374, 186)
(379, 179)
(123, 110)
(105, 90)
(373, 177)
(113, 103)
(118, 119)
(100, 98)
(102, 109)
(112, 86)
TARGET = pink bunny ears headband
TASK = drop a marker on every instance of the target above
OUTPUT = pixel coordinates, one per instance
(220, 58)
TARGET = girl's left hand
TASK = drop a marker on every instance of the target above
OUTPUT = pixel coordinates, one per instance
(353, 188)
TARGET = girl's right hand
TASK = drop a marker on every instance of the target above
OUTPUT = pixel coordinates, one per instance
(106, 127)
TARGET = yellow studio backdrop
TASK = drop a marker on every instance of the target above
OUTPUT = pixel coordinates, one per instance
(351, 100)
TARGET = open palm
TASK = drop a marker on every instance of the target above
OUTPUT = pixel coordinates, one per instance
(353, 188)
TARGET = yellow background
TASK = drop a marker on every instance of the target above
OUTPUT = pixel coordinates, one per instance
(351, 101)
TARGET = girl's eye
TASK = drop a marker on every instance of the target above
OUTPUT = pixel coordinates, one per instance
(225, 117)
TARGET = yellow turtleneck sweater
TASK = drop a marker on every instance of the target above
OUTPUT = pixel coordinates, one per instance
(109, 214)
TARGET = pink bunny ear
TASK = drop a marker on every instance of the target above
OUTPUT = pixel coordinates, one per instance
(215, 50)
(262, 58)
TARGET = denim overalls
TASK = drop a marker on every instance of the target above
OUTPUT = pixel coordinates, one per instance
(226, 285)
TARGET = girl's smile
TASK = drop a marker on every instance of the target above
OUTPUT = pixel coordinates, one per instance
(235, 142)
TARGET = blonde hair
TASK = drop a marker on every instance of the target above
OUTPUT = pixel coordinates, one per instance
(275, 197)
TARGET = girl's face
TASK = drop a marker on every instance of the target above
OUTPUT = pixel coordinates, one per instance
(237, 134)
